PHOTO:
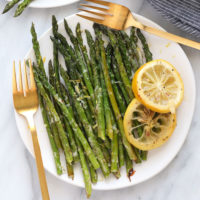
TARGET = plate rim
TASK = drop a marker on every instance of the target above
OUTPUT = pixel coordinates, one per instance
(37, 5)
(172, 157)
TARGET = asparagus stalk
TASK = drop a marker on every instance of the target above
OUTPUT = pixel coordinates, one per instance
(114, 148)
(21, 7)
(113, 100)
(54, 75)
(71, 63)
(122, 69)
(54, 25)
(147, 52)
(111, 122)
(107, 109)
(66, 112)
(70, 135)
(133, 36)
(100, 98)
(70, 170)
(51, 80)
(87, 126)
(82, 64)
(54, 148)
(84, 50)
(124, 54)
(134, 57)
(93, 173)
(120, 100)
(121, 153)
(10, 5)
(116, 72)
(113, 41)
(62, 135)
(67, 125)
(129, 166)
(84, 166)
(36, 48)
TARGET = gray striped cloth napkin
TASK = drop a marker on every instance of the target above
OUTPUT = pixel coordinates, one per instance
(185, 14)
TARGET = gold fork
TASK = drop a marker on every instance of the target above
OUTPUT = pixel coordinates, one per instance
(26, 104)
(120, 17)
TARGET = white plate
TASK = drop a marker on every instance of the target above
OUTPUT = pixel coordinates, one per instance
(50, 3)
(159, 158)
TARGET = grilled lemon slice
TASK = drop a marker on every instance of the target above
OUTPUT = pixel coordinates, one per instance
(146, 129)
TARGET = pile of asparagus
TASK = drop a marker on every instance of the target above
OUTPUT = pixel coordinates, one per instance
(84, 102)
(20, 8)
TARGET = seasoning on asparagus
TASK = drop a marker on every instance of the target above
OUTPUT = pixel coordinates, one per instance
(62, 135)
(54, 148)
(65, 111)
(82, 64)
(84, 50)
(122, 69)
(113, 100)
(51, 80)
(87, 126)
(117, 93)
(112, 63)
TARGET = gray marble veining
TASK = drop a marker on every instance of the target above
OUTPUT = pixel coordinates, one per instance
(18, 176)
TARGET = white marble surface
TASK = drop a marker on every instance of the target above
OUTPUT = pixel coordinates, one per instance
(18, 176)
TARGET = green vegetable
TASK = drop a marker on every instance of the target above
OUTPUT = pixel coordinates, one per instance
(132, 47)
(116, 73)
(147, 52)
(124, 53)
(114, 147)
(113, 100)
(118, 96)
(62, 135)
(82, 64)
(10, 5)
(121, 153)
(54, 148)
(70, 170)
(129, 166)
(52, 80)
(21, 7)
(66, 112)
(122, 69)
(84, 166)
(87, 126)
(84, 50)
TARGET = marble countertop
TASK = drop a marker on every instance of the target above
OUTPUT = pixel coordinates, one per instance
(18, 176)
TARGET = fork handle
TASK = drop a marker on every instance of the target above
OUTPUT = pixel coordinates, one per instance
(38, 157)
(172, 37)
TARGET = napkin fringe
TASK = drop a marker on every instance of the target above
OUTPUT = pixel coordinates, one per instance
(175, 15)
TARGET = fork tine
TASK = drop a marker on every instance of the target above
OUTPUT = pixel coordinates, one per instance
(20, 78)
(94, 13)
(14, 83)
(33, 85)
(104, 3)
(99, 21)
(94, 7)
(25, 77)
